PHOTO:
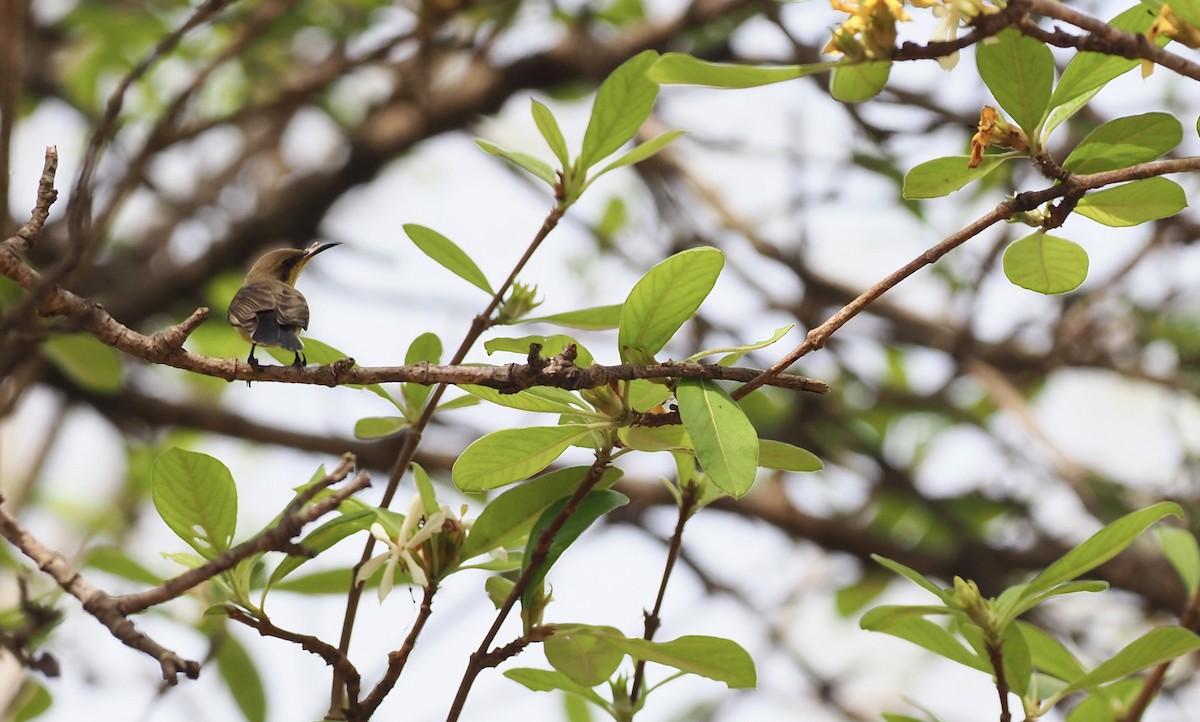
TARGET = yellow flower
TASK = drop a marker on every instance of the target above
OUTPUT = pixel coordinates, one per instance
(870, 31)
(1170, 25)
(993, 129)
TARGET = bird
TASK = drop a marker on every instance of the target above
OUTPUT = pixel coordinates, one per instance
(268, 310)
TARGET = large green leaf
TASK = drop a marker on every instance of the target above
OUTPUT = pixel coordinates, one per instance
(1100, 547)
(1154, 647)
(664, 298)
(1020, 73)
(196, 496)
(1125, 141)
(1050, 656)
(715, 658)
(1133, 203)
(1046, 264)
(725, 441)
(509, 517)
(448, 255)
(858, 82)
(599, 318)
(509, 455)
(942, 176)
(925, 633)
(683, 69)
(587, 658)
(240, 674)
(546, 680)
(322, 538)
(622, 104)
(595, 505)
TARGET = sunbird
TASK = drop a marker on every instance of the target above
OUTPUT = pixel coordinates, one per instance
(268, 310)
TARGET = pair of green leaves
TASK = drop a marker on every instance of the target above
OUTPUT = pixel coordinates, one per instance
(622, 104)
(1026, 648)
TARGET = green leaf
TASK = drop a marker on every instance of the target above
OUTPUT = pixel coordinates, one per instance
(725, 441)
(1050, 656)
(664, 298)
(882, 617)
(509, 455)
(551, 346)
(859, 82)
(586, 658)
(655, 438)
(684, 69)
(378, 427)
(622, 104)
(536, 166)
(241, 676)
(942, 176)
(639, 153)
(1100, 547)
(320, 539)
(545, 680)
(925, 633)
(1046, 264)
(780, 455)
(1124, 142)
(1156, 646)
(1133, 203)
(328, 581)
(195, 495)
(539, 399)
(595, 505)
(1182, 551)
(715, 658)
(426, 348)
(915, 577)
(507, 519)
(551, 132)
(448, 255)
(1020, 73)
(1088, 71)
(737, 352)
(600, 318)
(32, 701)
(1018, 660)
(86, 361)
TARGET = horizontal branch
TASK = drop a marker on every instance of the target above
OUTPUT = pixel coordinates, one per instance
(166, 347)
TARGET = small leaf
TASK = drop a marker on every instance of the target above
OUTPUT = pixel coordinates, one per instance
(595, 505)
(378, 427)
(942, 176)
(448, 255)
(1100, 547)
(1133, 203)
(545, 680)
(684, 69)
(1124, 142)
(539, 399)
(915, 577)
(622, 104)
(925, 633)
(551, 132)
(1182, 551)
(322, 538)
(1050, 656)
(86, 361)
(882, 617)
(655, 438)
(196, 496)
(426, 348)
(509, 455)
(715, 658)
(551, 346)
(507, 519)
(780, 455)
(1046, 264)
(1018, 660)
(1156, 646)
(241, 676)
(536, 166)
(600, 318)
(585, 658)
(739, 351)
(1020, 73)
(725, 441)
(639, 153)
(859, 82)
(664, 298)
(328, 581)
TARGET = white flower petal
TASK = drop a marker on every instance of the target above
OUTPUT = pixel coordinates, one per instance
(368, 569)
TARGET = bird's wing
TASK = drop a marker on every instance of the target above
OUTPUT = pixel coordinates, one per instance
(250, 300)
(291, 309)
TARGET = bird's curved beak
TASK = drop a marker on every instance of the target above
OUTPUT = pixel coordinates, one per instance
(317, 247)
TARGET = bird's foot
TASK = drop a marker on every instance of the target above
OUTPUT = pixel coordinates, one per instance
(300, 361)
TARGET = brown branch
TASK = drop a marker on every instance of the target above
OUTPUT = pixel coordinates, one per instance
(23, 239)
(399, 658)
(308, 643)
(1073, 185)
(480, 658)
(996, 657)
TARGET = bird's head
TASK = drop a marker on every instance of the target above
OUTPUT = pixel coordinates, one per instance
(285, 264)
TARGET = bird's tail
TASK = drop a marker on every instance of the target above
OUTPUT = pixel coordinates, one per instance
(270, 333)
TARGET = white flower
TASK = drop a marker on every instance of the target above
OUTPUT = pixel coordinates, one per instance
(401, 548)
